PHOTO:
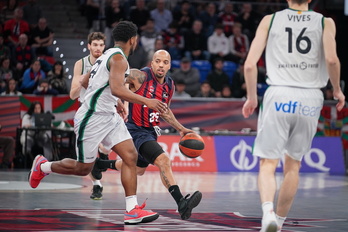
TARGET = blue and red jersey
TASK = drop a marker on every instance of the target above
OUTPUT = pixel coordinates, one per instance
(143, 116)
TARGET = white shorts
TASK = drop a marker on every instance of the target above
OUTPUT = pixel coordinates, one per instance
(287, 122)
(93, 129)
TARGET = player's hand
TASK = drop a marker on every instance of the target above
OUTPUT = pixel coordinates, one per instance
(185, 131)
(338, 95)
(249, 107)
(122, 110)
(157, 105)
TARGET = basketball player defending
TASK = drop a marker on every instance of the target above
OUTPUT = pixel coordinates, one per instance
(300, 58)
(96, 46)
(96, 122)
(143, 126)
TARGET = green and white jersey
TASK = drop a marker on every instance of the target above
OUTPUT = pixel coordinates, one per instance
(98, 97)
(86, 67)
(294, 52)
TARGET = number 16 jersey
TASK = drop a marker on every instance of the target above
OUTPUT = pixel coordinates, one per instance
(294, 52)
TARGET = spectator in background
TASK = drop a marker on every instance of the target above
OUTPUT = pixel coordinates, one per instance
(148, 36)
(5, 72)
(173, 41)
(14, 27)
(196, 42)
(11, 89)
(217, 78)
(209, 19)
(139, 58)
(161, 16)
(7, 12)
(139, 15)
(158, 46)
(238, 43)
(205, 90)
(57, 78)
(32, 13)
(184, 17)
(40, 138)
(189, 75)
(4, 50)
(227, 18)
(226, 92)
(32, 77)
(94, 12)
(238, 82)
(113, 15)
(23, 54)
(43, 39)
(44, 88)
(7, 143)
(218, 44)
(180, 92)
(249, 20)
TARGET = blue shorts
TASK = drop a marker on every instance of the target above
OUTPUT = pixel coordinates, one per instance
(140, 136)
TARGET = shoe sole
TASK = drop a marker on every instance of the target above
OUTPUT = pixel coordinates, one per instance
(96, 198)
(194, 200)
(32, 169)
(272, 227)
(145, 219)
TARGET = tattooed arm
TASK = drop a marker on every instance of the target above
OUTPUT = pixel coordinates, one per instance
(171, 120)
(135, 79)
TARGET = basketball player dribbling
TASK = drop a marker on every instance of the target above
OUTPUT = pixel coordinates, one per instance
(300, 58)
(143, 126)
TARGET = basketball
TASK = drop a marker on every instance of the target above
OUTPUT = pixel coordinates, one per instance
(191, 145)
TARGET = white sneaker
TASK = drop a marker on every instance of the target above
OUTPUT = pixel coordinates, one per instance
(269, 223)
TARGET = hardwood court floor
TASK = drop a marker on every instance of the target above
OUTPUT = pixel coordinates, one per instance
(230, 203)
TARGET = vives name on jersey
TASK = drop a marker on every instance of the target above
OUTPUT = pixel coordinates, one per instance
(299, 18)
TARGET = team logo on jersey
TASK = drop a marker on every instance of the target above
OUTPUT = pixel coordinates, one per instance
(165, 95)
(151, 89)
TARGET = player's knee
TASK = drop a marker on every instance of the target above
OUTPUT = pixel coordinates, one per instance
(130, 159)
(140, 171)
(163, 161)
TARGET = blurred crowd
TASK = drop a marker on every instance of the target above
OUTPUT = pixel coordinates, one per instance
(217, 31)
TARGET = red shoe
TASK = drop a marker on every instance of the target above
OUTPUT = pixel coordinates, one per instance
(36, 175)
(138, 215)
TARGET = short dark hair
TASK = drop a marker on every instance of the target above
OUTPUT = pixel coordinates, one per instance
(124, 31)
(95, 36)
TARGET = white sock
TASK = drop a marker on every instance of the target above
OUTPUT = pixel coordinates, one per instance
(267, 207)
(97, 182)
(131, 202)
(46, 167)
(280, 220)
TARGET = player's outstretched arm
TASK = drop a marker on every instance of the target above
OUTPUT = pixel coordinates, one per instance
(332, 61)
(169, 117)
(118, 65)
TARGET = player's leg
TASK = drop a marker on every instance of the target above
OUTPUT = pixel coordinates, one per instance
(288, 188)
(87, 141)
(134, 213)
(267, 188)
(154, 153)
(96, 174)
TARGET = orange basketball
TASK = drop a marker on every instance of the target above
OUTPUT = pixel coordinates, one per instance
(191, 145)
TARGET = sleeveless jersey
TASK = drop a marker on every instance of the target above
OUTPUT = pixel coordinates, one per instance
(98, 97)
(143, 116)
(86, 67)
(294, 52)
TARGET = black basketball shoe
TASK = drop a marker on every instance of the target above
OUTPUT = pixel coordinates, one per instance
(187, 203)
(97, 192)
